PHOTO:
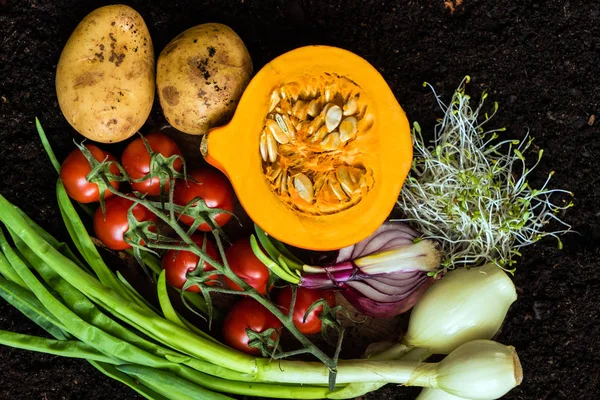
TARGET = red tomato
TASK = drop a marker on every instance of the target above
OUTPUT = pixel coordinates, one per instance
(74, 170)
(304, 299)
(247, 266)
(213, 187)
(177, 264)
(247, 314)
(136, 161)
(110, 231)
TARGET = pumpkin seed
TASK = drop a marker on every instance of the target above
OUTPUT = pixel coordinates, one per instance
(337, 190)
(316, 124)
(263, 146)
(286, 125)
(276, 131)
(351, 106)
(272, 148)
(333, 117)
(319, 182)
(367, 122)
(329, 93)
(304, 186)
(343, 177)
(291, 91)
(300, 110)
(320, 134)
(348, 129)
(275, 172)
(314, 108)
(285, 182)
(274, 101)
(331, 141)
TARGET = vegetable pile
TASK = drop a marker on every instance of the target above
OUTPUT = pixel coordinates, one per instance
(256, 292)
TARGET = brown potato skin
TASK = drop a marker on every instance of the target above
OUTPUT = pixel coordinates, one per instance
(201, 75)
(105, 75)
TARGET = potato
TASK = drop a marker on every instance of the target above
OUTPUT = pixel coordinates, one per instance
(105, 75)
(200, 77)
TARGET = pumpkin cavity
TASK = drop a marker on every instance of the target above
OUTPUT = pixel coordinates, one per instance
(310, 144)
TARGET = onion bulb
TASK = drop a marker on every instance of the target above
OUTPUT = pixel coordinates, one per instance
(383, 275)
(478, 370)
(465, 305)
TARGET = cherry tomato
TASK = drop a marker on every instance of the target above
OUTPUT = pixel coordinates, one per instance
(304, 299)
(136, 161)
(177, 264)
(247, 314)
(74, 170)
(110, 231)
(213, 187)
(247, 266)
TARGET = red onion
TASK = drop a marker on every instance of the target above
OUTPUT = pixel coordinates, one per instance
(383, 275)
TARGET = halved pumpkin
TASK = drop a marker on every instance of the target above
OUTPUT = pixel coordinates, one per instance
(318, 148)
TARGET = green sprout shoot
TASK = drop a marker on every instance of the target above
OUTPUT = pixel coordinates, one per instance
(471, 192)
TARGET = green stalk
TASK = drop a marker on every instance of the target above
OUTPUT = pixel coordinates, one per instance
(86, 310)
(396, 352)
(62, 247)
(170, 385)
(112, 372)
(133, 292)
(348, 371)
(63, 348)
(46, 144)
(86, 247)
(170, 313)
(271, 390)
(165, 330)
(23, 300)
(76, 325)
(6, 268)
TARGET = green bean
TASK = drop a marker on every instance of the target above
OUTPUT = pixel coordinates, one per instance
(64, 348)
(165, 303)
(134, 292)
(168, 333)
(62, 247)
(76, 325)
(86, 247)
(172, 385)
(6, 268)
(85, 309)
(47, 146)
(25, 301)
(170, 313)
(112, 372)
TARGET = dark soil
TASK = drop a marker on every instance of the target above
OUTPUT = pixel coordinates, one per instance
(539, 60)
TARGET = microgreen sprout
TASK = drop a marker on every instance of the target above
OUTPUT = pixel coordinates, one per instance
(471, 191)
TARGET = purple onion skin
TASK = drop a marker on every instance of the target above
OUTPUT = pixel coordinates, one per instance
(398, 290)
(376, 309)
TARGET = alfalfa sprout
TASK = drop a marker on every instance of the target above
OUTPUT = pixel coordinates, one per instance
(471, 191)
